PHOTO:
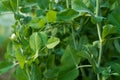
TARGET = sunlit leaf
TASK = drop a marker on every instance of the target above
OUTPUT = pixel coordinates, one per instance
(35, 42)
(42, 23)
(44, 38)
(52, 42)
(21, 58)
(109, 30)
(51, 16)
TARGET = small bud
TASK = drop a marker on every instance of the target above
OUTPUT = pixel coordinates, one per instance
(13, 36)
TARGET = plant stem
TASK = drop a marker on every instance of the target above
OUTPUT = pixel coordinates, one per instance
(51, 5)
(36, 54)
(83, 66)
(100, 46)
(17, 6)
(113, 38)
(28, 74)
(5, 13)
(67, 3)
(100, 39)
(73, 37)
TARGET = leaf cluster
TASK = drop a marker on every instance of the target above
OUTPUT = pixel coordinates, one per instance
(58, 40)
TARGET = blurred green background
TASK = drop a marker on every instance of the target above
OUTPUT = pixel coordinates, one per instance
(6, 21)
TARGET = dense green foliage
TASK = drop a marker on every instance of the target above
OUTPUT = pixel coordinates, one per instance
(63, 39)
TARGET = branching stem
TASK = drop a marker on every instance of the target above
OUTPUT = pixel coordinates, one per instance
(99, 35)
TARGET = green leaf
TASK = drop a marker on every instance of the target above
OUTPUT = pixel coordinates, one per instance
(43, 3)
(51, 61)
(34, 23)
(20, 72)
(83, 41)
(36, 73)
(110, 29)
(117, 45)
(10, 4)
(5, 66)
(27, 19)
(44, 38)
(21, 58)
(95, 19)
(70, 57)
(25, 9)
(114, 17)
(85, 55)
(27, 31)
(6, 3)
(107, 29)
(69, 63)
(42, 23)
(52, 42)
(106, 72)
(68, 74)
(51, 16)
(3, 8)
(79, 6)
(51, 73)
(67, 15)
(92, 50)
(10, 50)
(115, 67)
(14, 4)
(35, 42)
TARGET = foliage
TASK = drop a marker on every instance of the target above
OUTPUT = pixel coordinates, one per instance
(64, 39)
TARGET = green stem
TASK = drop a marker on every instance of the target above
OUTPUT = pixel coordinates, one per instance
(67, 3)
(17, 6)
(100, 39)
(51, 5)
(28, 74)
(97, 8)
(83, 66)
(82, 70)
(36, 54)
(113, 38)
(5, 13)
(73, 37)
(100, 47)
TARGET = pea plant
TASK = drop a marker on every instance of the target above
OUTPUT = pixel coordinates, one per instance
(64, 40)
